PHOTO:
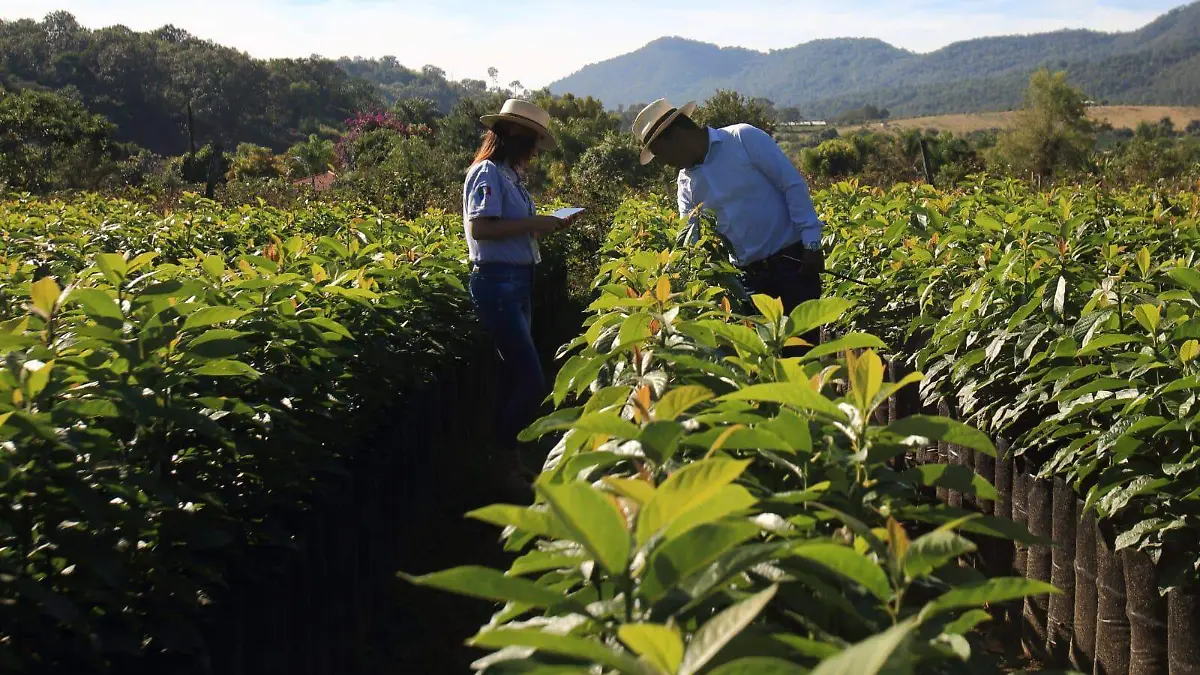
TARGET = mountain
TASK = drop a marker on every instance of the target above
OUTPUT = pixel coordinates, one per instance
(1158, 63)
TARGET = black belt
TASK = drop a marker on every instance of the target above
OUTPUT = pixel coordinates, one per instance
(793, 251)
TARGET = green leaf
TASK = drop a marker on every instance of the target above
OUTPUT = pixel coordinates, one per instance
(759, 665)
(967, 622)
(850, 564)
(943, 429)
(870, 656)
(1102, 341)
(1186, 277)
(680, 400)
(488, 584)
(555, 421)
(660, 645)
(728, 501)
(689, 553)
(794, 394)
(955, 477)
(848, 341)
(992, 591)
(331, 326)
(113, 266)
(44, 293)
(564, 645)
(226, 368)
(635, 328)
(686, 489)
(719, 630)
(930, 551)
(771, 308)
(607, 423)
(4, 418)
(866, 377)
(98, 305)
(660, 440)
(37, 380)
(540, 522)
(218, 343)
(593, 520)
(211, 316)
(815, 313)
(543, 561)
(1148, 316)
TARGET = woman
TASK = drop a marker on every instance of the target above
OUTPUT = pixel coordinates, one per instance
(502, 228)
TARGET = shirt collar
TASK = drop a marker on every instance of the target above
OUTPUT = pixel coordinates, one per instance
(714, 137)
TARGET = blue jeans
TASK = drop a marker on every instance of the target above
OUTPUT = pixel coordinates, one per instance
(502, 294)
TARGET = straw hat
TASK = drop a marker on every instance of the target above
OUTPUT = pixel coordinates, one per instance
(654, 119)
(527, 115)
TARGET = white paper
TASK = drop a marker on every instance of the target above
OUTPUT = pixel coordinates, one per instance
(567, 212)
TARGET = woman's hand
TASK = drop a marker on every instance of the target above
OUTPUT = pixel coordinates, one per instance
(542, 225)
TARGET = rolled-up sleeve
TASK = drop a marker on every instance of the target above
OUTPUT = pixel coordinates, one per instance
(686, 208)
(775, 165)
(485, 192)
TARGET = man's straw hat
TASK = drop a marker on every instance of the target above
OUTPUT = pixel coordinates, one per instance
(527, 115)
(653, 120)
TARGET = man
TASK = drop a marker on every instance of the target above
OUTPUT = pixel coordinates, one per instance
(762, 204)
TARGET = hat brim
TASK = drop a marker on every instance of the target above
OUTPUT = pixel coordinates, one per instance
(686, 111)
(545, 139)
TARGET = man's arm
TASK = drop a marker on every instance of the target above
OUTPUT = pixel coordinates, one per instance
(770, 160)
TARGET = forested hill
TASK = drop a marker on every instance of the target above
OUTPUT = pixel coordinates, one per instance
(1159, 63)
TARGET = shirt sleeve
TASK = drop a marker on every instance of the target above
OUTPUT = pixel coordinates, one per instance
(766, 156)
(684, 194)
(485, 192)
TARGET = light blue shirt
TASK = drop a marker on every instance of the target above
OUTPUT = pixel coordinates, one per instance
(494, 190)
(761, 201)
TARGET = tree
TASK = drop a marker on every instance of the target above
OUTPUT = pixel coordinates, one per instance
(418, 110)
(49, 141)
(311, 157)
(1052, 134)
(728, 107)
(254, 161)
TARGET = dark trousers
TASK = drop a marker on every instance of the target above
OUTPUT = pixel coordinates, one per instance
(502, 295)
(780, 276)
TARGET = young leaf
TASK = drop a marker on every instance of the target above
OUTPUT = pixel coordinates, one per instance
(816, 313)
(689, 553)
(593, 521)
(686, 489)
(660, 645)
(771, 308)
(794, 394)
(44, 293)
(543, 523)
(113, 266)
(719, 630)
(1148, 316)
(488, 584)
(680, 400)
(866, 377)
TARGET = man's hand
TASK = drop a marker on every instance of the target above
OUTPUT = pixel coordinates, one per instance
(812, 262)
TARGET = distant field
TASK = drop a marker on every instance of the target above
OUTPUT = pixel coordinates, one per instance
(1120, 116)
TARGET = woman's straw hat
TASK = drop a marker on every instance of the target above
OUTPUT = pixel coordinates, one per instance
(527, 115)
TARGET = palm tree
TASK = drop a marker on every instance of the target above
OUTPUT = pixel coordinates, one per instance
(311, 157)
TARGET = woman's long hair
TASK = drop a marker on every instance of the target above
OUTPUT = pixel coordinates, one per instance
(504, 147)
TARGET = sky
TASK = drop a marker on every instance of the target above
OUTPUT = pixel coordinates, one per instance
(539, 41)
